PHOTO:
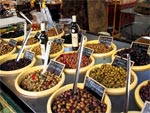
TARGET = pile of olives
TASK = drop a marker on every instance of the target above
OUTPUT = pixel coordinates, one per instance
(140, 58)
(14, 65)
(145, 92)
(71, 59)
(55, 48)
(12, 34)
(52, 32)
(30, 41)
(5, 48)
(143, 40)
(36, 82)
(99, 48)
(110, 76)
(81, 102)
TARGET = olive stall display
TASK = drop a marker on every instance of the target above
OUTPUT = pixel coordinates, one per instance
(142, 93)
(34, 84)
(9, 65)
(112, 77)
(70, 59)
(51, 33)
(16, 35)
(6, 49)
(141, 59)
(31, 42)
(102, 53)
(63, 101)
(55, 50)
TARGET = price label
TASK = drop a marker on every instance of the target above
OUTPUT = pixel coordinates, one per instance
(87, 51)
(29, 55)
(121, 62)
(12, 42)
(56, 67)
(59, 41)
(37, 35)
(141, 47)
(97, 89)
(146, 108)
(107, 40)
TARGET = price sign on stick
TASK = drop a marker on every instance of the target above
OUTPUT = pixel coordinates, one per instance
(12, 42)
(107, 40)
(56, 67)
(121, 62)
(146, 108)
(59, 41)
(97, 89)
(29, 55)
(87, 51)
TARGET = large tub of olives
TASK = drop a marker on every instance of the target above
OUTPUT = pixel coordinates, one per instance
(141, 93)
(32, 42)
(9, 65)
(141, 60)
(6, 50)
(78, 102)
(113, 78)
(102, 53)
(51, 33)
(32, 84)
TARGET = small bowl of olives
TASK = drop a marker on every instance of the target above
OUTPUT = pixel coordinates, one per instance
(102, 53)
(15, 35)
(31, 42)
(56, 49)
(70, 59)
(83, 101)
(6, 50)
(32, 83)
(51, 33)
(141, 59)
(9, 65)
(142, 93)
(112, 77)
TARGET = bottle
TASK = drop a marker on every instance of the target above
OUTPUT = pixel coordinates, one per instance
(74, 34)
(43, 40)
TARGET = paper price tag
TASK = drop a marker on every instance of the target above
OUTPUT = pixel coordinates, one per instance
(56, 67)
(121, 62)
(59, 41)
(97, 89)
(87, 51)
(141, 47)
(146, 108)
(12, 42)
(29, 55)
(107, 40)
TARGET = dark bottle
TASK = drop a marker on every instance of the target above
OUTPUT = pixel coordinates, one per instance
(74, 34)
(43, 41)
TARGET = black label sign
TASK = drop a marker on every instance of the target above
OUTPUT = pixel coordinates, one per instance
(146, 108)
(87, 51)
(12, 42)
(56, 67)
(29, 55)
(141, 47)
(95, 88)
(107, 40)
(37, 35)
(59, 41)
(121, 62)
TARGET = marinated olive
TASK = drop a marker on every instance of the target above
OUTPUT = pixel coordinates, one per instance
(12, 34)
(81, 102)
(14, 65)
(52, 32)
(110, 76)
(145, 92)
(30, 41)
(36, 82)
(140, 58)
(55, 47)
(5, 48)
(70, 60)
(99, 48)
